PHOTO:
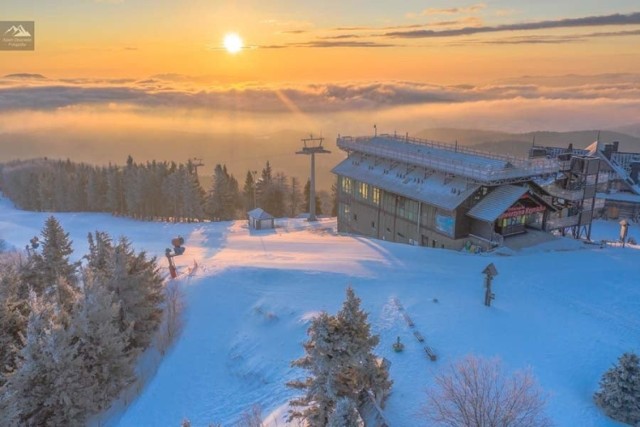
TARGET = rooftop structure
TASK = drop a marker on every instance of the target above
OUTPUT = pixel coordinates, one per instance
(475, 166)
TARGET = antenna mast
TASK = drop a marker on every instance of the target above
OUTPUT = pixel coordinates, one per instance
(312, 146)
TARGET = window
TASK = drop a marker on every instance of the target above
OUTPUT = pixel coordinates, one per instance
(373, 224)
(363, 190)
(355, 217)
(347, 185)
(376, 196)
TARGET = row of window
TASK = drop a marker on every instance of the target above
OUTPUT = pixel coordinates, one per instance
(360, 190)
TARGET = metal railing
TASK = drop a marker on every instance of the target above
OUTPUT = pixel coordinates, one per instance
(567, 221)
(512, 169)
(563, 193)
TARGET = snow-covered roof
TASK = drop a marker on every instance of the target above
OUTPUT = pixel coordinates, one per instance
(471, 164)
(260, 214)
(496, 202)
(415, 183)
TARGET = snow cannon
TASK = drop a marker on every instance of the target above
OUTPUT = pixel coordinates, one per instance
(35, 242)
(177, 243)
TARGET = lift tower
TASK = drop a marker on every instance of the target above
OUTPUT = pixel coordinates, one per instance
(312, 146)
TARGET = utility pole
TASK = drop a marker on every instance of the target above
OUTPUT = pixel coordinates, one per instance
(196, 162)
(311, 146)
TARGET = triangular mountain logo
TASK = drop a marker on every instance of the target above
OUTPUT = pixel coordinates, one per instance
(18, 31)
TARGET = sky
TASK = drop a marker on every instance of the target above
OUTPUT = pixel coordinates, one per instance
(324, 65)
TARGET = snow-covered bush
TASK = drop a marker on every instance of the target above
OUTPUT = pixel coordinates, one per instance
(619, 394)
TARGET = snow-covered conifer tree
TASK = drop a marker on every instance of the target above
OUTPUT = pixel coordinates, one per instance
(619, 394)
(14, 312)
(340, 363)
(317, 403)
(105, 368)
(345, 414)
(358, 367)
(29, 388)
(139, 289)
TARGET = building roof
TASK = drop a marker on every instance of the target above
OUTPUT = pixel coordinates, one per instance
(477, 166)
(433, 188)
(496, 202)
(259, 214)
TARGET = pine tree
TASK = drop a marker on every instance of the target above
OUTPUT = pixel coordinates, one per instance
(345, 414)
(104, 367)
(224, 198)
(340, 363)
(14, 312)
(619, 394)
(56, 250)
(249, 192)
(26, 393)
(139, 290)
(50, 273)
(316, 405)
(359, 368)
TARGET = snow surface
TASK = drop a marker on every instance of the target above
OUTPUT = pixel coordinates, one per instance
(567, 311)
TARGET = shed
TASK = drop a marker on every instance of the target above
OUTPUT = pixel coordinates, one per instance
(259, 219)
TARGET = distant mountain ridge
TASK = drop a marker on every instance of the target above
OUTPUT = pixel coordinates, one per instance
(242, 151)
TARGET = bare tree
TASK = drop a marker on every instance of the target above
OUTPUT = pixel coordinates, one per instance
(251, 417)
(476, 392)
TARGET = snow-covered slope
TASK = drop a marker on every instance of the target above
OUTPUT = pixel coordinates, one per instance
(566, 314)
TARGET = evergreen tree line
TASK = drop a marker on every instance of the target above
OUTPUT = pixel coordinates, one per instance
(151, 191)
(71, 333)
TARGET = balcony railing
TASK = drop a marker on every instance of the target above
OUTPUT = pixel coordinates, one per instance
(567, 221)
(517, 169)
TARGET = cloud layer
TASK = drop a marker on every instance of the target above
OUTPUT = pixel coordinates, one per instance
(24, 93)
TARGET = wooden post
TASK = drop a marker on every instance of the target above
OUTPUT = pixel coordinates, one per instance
(490, 272)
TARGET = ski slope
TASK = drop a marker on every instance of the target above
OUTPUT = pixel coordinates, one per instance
(567, 313)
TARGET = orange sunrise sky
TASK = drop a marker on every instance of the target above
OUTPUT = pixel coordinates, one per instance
(332, 66)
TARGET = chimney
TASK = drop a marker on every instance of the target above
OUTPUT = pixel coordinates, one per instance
(635, 172)
(615, 146)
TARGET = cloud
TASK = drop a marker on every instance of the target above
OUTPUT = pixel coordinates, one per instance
(590, 21)
(158, 93)
(329, 42)
(454, 10)
(546, 39)
(177, 102)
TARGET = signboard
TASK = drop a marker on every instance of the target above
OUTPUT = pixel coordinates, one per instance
(445, 224)
(521, 210)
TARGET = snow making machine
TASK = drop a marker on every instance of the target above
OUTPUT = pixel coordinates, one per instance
(178, 249)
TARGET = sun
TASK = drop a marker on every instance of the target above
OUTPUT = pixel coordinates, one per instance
(233, 43)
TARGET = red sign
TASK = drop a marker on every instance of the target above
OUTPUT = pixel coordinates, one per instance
(521, 210)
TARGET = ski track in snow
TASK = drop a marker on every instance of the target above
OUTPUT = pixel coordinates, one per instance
(568, 315)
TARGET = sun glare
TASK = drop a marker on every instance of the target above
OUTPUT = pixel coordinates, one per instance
(233, 43)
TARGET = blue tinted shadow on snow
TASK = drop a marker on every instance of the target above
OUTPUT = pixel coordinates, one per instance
(214, 374)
